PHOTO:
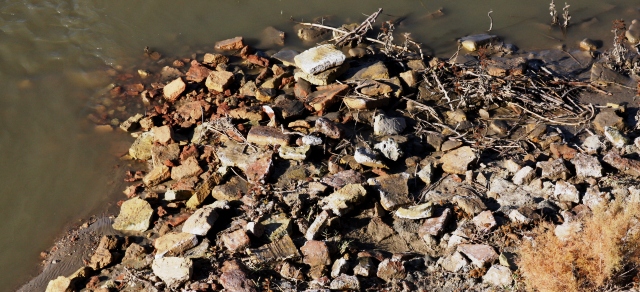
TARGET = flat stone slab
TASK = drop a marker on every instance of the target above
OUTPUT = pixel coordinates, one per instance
(319, 58)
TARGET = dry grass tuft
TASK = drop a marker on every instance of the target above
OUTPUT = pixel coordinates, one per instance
(603, 255)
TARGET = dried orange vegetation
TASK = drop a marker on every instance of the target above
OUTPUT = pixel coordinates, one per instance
(604, 254)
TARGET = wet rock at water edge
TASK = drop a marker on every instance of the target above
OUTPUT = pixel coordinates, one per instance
(173, 90)
(135, 215)
(319, 58)
(235, 43)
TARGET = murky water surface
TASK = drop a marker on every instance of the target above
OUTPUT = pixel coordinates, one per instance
(54, 55)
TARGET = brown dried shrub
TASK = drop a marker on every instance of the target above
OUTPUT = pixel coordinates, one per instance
(601, 256)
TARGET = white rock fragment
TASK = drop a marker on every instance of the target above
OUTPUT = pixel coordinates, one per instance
(311, 140)
(516, 216)
(318, 224)
(319, 59)
(592, 144)
(383, 125)
(293, 153)
(593, 197)
(498, 275)
(426, 174)
(566, 192)
(389, 148)
(524, 176)
(415, 212)
(174, 271)
(366, 157)
(201, 221)
(454, 262)
(339, 266)
(587, 166)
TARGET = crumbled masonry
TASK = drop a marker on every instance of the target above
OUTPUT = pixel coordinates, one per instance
(337, 169)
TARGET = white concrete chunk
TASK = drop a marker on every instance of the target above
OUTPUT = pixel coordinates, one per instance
(319, 58)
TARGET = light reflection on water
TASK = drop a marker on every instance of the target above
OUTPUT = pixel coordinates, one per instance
(55, 167)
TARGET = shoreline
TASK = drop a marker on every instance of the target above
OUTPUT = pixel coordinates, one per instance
(187, 119)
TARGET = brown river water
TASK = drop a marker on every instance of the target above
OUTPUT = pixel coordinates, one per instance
(54, 55)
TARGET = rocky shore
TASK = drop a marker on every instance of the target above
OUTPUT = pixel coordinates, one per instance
(360, 165)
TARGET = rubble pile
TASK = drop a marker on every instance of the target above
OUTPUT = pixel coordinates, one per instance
(341, 168)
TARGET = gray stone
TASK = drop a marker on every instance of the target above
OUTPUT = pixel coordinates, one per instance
(592, 144)
(587, 166)
(389, 148)
(593, 197)
(174, 271)
(319, 58)
(453, 263)
(508, 194)
(518, 217)
(311, 140)
(553, 170)
(602, 74)
(135, 215)
(201, 221)
(286, 57)
(366, 157)
(498, 275)
(566, 192)
(426, 174)
(384, 126)
(524, 176)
